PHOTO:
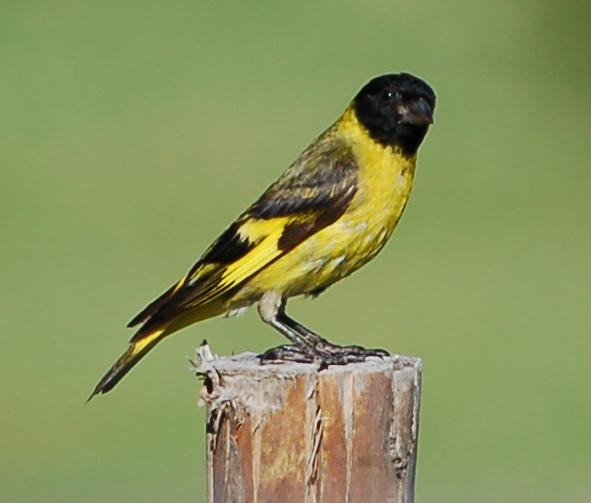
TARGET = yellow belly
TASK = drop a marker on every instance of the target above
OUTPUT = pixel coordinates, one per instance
(384, 185)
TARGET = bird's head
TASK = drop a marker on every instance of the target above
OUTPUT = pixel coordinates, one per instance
(396, 110)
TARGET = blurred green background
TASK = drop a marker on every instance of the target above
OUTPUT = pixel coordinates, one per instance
(132, 132)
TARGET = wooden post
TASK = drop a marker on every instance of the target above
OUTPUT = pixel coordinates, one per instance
(291, 433)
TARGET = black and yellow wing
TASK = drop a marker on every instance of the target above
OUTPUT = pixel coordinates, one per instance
(312, 193)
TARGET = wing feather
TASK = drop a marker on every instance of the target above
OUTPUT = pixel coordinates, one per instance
(313, 193)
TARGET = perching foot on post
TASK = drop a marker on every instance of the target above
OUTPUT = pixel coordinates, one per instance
(327, 354)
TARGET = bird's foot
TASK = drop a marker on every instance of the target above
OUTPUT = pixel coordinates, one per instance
(289, 353)
(324, 354)
(334, 354)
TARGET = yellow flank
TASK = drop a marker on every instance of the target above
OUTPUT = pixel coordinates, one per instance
(384, 183)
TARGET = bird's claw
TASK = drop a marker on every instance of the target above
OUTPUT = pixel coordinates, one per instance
(328, 354)
(288, 353)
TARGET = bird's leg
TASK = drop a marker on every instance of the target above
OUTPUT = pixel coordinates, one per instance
(271, 309)
(307, 346)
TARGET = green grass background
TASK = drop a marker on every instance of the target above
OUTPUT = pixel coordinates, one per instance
(132, 132)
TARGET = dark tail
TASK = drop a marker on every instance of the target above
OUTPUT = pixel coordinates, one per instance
(136, 351)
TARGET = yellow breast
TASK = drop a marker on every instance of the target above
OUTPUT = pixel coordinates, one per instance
(384, 184)
(385, 181)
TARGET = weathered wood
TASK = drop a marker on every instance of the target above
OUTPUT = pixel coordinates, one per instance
(291, 433)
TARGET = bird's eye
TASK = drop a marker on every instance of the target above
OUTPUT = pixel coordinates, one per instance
(389, 95)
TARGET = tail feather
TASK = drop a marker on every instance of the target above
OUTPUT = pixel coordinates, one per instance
(155, 328)
(136, 351)
(153, 307)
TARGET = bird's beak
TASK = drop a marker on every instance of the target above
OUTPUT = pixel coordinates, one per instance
(417, 113)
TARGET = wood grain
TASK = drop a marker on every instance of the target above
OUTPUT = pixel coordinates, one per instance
(291, 433)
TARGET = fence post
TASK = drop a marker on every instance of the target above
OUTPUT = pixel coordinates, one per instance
(291, 433)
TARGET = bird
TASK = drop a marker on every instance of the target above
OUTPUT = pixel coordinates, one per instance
(326, 216)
